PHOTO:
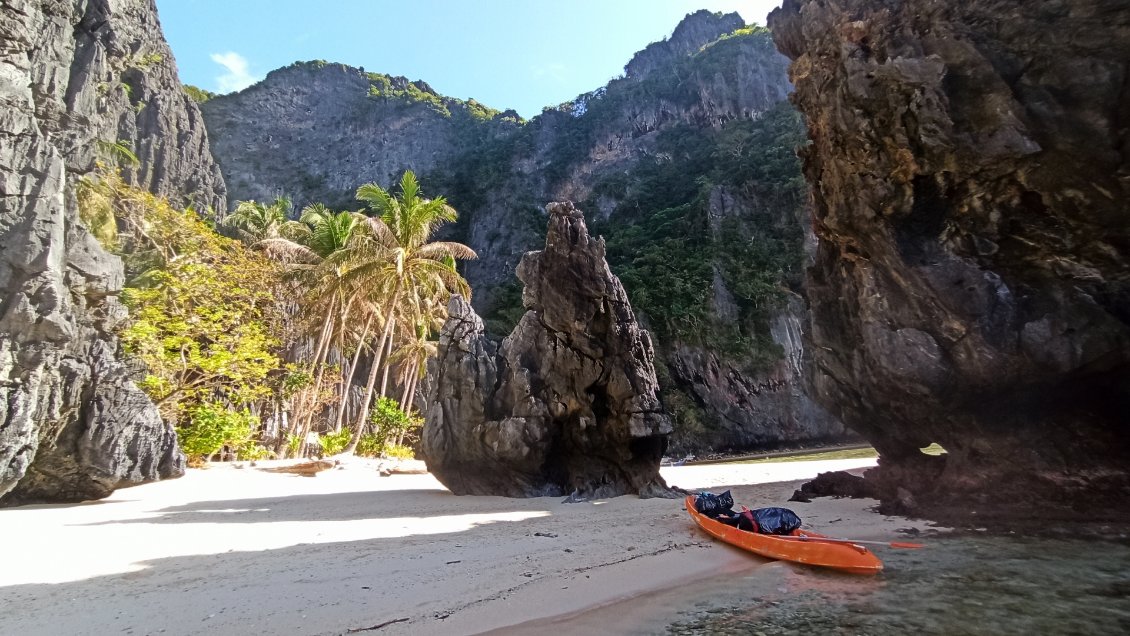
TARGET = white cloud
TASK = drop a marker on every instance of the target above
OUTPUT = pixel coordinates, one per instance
(554, 72)
(238, 76)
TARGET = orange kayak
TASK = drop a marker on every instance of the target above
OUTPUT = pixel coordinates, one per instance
(801, 546)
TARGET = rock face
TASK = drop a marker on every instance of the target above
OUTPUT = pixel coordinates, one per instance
(758, 410)
(78, 78)
(704, 87)
(568, 403)
(971, 166)
(276, 136)
(696, 30)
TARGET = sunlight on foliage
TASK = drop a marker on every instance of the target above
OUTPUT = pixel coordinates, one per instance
(334, 443)
(212, 426)
(202, 315)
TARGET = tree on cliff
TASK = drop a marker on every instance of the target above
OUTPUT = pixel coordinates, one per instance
(394, 256)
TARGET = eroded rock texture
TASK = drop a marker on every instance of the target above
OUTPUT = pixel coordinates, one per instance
(568, 403)
(971, 166)
(757, 410)
(76, 78)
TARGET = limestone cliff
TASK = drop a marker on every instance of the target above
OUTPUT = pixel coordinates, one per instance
(78, 79)
(971, 167)
(692, 149)
(316, 130)
(568, 403)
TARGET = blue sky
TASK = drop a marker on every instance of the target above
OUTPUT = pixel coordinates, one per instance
(521, 54)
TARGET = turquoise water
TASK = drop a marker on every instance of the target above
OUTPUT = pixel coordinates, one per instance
(956, 586)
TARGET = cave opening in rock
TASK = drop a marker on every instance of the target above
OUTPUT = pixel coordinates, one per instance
(917, 233)
(599, 403)
(933, 449)
(648, 448)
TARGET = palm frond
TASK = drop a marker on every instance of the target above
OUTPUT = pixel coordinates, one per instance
(380, 232)
(288, 251)
(314, 214)
(295, 231)
(377, 198)
(443, 249)
(409, 188)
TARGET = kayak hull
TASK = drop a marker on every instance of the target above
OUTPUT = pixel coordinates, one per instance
(807, 548)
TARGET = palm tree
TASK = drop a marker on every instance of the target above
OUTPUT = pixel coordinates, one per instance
(397, 255)
(255, 221)
(308, 247)
(413, 357)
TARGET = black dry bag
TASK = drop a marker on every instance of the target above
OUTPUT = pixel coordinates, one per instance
(712, 505)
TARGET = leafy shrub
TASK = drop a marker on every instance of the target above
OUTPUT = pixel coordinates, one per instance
(390, 423)
(255, 452)
(334, 443)
(370, 445)
(399, 451)
(212, 426)
(198, 95)
(293, 443)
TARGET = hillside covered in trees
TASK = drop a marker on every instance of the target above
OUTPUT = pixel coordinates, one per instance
(686, 165)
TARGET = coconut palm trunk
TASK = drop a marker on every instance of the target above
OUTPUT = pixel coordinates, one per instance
(320, 362)
(348, 378)
(390, 324)
(387, 366)
(405, 394)
(304, 400)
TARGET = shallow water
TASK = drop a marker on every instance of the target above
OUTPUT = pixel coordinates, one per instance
(957, 585)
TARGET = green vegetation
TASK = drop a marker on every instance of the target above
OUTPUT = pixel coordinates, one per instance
(213, 426)
(210, 317)
(145, 61)
(334, 443)
(399, 451)
(257, 221)
(665, 251)
(393, 426)
(118, 153)
(203, 318)
(399, 90)
(370, 445)
(388, 88)
(198, 95)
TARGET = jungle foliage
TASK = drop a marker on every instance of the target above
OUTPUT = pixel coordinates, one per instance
(669, 238)
(214, 319)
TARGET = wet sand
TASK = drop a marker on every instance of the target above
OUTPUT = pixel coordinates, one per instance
(229, 551)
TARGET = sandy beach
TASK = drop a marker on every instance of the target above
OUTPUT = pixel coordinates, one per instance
(242, 551)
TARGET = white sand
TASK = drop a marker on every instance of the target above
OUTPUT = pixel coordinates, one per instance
(228, 551)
